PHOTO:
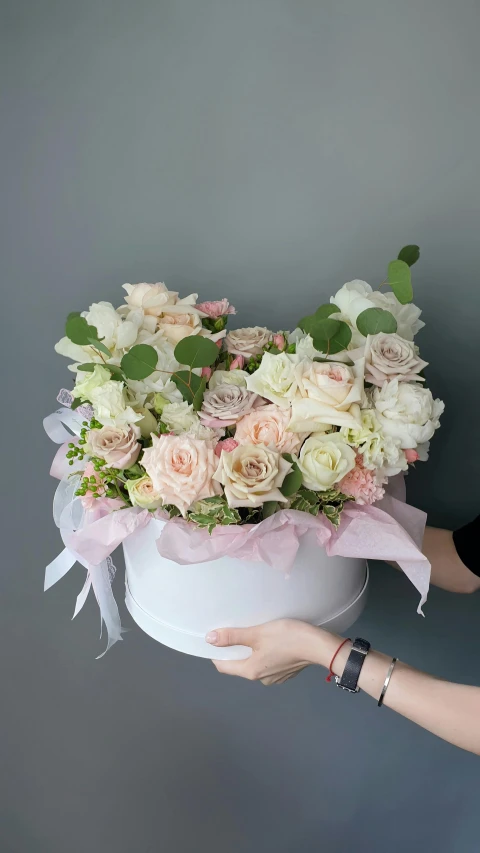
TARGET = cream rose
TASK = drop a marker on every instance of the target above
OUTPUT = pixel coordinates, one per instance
(181, 320)
(328, 393)
(252, 474)
(87, 382)
(268, 425)
(324, 460)
(142, 493)
(407, 412)
(152, 299)
(179, 417)
(228, 377)
(225, 405)
(249, 341)
(391, 357)
(118, 446)
(181, 469)
(275, 378)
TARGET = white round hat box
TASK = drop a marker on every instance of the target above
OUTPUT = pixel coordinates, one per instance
(178, 605)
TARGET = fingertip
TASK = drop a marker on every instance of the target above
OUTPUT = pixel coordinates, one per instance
(212, 638)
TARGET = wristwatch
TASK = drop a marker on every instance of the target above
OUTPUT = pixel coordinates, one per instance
(353, 667)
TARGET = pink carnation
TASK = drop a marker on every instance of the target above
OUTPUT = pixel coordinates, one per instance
(228, 445)
(360, 484)
(214, 310)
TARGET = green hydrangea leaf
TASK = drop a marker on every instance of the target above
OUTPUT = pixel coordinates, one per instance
(375, 320)
(400, 280)
(139, 362)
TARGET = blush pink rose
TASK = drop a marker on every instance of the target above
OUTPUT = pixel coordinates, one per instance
(228, 445)
(181, 469)
(238, 363)
(118, 446)
(279, 341)
(224, 405)
(248, 342)
(268, 425)
(217, 309)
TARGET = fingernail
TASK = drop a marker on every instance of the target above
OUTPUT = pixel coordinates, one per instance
(212, 637)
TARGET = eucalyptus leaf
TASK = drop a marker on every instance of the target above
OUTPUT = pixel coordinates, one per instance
(375, 320)
(409, 254)
(78, 330)
(88, 368)
(338, 342)
(113, 368)
(196, 351)
(189, 384)
(400, 280)
(198, 395)
(94, 342)
(76, 402)
(139, 362)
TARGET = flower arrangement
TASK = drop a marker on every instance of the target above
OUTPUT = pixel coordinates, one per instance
(184, 418)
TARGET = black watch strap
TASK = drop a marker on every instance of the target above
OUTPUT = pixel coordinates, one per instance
(353, 667)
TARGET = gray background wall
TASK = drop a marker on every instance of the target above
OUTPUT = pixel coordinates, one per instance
(267, 151)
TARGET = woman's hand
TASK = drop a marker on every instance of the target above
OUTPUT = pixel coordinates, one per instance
(280, 650)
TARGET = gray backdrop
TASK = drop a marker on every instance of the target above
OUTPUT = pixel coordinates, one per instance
(267, 151)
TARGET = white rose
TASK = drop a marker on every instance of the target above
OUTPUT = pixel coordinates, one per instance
(328, 393)
(179, 417)
(87, 382)
(324, 460)
(228, 377)
(142, 493)
(275, 378)
(357, 296)
(153, 299)
(251, 475)
(407, 412)
(109, 403)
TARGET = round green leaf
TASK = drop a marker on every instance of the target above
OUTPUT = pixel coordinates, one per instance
(190, 386)
(375, 320)
(88, 368)
(196, 351)
(338, 342)
(139, 362)
(78, 330)
(321, 313)
(400, 280)
(409, 254)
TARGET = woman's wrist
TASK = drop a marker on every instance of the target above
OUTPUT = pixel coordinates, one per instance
(319, 647)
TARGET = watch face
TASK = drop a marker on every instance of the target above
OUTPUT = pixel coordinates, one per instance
(361, 645)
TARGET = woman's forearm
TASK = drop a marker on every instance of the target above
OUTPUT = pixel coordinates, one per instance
(450, 711)
(448, 571)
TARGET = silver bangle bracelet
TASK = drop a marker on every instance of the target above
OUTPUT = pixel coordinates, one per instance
(387, 682)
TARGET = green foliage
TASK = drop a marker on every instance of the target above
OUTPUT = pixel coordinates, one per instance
(196, 351)
(409, 254)
(330, 503)
(76, 402)
(116, 371)
(214, 511)
(400, 280)
(293, 480)
(139, 362)
(269, 508)
(375, 320)
(191, 387)
(95, 342)
(329, 335)
(78, 330)
(321, 313)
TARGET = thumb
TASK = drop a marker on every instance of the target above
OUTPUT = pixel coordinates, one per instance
(231, 637)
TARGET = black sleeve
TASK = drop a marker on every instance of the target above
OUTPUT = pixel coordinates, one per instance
(467, 544)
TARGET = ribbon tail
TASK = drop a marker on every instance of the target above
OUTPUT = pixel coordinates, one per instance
(58, 568)
(82, 595)
(108, 606)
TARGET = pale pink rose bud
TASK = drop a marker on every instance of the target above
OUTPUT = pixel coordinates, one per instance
(228, 445)
(411, 455)
(279, 341)
(220, 308)
(238, 363)
(207, 372)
